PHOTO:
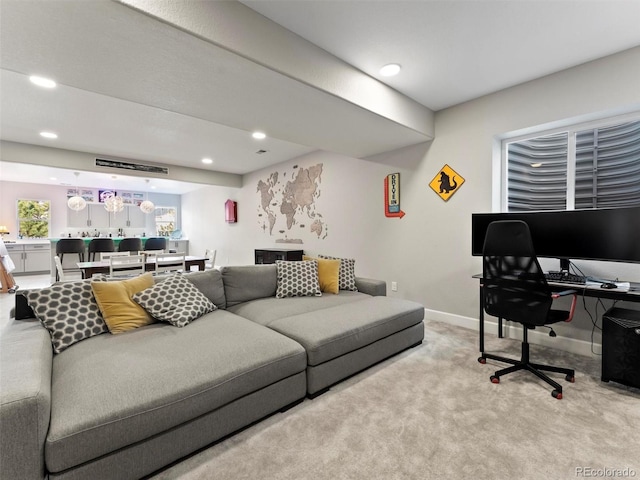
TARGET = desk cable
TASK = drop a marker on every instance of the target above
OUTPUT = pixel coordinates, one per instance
(594, 321)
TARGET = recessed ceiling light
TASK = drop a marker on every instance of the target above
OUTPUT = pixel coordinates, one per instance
(208, 161)
(53, 178)
(48, 135)
(42, 82)
(536, 165)
(153, 187)
(390, 70)
(259, 135)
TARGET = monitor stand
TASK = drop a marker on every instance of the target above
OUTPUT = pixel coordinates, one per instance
(564, 264)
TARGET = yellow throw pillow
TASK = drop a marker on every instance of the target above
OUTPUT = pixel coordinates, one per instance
(327, 274)
(118, 309)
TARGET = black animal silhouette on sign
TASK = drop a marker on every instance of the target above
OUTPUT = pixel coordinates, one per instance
(445, 183)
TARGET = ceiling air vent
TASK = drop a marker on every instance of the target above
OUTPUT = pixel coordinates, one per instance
(137, 167)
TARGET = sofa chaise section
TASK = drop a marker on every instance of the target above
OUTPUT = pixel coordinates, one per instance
(342, 334)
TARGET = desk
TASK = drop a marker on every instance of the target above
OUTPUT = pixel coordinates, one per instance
(631, 295)
(89, 269)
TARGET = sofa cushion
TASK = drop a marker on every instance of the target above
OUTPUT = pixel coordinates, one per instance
(297, 279)
(347, 274)
(175, 300)
(209, 282)
(118, 309)
(248, 282)
(331, 332)
(68, 311)
(267, 310)
(151, 379)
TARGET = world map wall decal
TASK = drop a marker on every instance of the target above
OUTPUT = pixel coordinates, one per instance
(287, 206)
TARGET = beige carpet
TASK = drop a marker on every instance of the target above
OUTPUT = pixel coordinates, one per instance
(431, 412)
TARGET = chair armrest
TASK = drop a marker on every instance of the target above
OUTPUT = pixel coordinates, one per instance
(563, 293)
(370, 286)
(26, 359)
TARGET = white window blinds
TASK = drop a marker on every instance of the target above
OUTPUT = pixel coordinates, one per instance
(606, 164)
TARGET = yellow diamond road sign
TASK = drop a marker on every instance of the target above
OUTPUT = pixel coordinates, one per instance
(446, 182)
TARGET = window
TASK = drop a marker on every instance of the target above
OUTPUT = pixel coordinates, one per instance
(33, 218)
(166, 220)
(577, 168)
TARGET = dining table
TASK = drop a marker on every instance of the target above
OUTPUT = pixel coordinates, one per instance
(89, 269)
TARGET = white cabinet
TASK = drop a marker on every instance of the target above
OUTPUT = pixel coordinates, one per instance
(94, 216)
(178, 246)
(30, 257)
(130, 217)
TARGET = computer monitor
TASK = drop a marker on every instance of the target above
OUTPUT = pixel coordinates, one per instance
(611, 234)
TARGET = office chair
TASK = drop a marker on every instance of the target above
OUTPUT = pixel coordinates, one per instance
(515, 289)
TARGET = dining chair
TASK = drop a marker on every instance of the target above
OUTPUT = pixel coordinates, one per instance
(126, 265)
(108, 255)
(170, 262)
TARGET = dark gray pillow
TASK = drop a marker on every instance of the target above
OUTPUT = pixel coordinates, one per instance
(248, 282)
(175, 300)
(298, 279)
(69, 312)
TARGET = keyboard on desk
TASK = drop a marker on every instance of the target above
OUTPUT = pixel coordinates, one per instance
(565, 277)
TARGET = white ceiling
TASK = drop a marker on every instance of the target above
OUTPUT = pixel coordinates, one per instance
(133, 87)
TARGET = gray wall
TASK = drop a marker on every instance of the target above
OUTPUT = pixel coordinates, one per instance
(428, 251)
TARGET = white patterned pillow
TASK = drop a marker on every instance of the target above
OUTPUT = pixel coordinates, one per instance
(68, 311)
(175, 300)
(297, 279)
(347, 273)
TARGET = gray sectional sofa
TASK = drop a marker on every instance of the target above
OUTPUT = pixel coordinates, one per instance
(123, 406)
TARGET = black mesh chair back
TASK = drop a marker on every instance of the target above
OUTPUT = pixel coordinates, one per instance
(155, 243)
(130, 245)
(515, 287)
(100, 245)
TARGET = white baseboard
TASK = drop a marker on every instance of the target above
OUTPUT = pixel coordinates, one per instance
(513, 330)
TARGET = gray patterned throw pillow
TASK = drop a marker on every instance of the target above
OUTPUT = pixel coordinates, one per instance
(347, 273)
(297, 279)
(68, 311)
(175, 300)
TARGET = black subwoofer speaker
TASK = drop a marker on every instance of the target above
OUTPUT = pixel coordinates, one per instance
(621, 346)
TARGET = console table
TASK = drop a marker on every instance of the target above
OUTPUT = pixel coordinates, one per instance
(270, 255)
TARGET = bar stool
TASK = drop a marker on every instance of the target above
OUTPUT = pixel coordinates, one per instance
(100, 245)
(69, 245)
(130, 245)
(155, 243)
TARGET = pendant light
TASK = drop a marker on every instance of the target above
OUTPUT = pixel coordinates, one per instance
(147, 206)
(113, 203)
(76, 202)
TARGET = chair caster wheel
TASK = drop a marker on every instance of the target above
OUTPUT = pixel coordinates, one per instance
(482, 360)
(556, 394)
(494, 379)
(570, 378)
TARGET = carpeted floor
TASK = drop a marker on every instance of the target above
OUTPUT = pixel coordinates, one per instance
(431, 412)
